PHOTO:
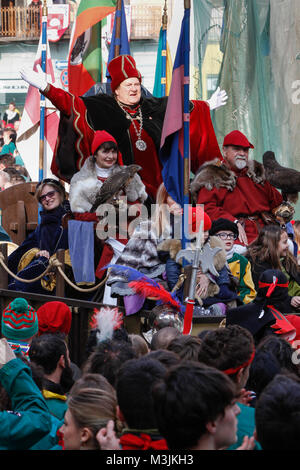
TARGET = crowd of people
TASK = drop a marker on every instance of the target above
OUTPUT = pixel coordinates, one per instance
(217, 390)
(232, 387)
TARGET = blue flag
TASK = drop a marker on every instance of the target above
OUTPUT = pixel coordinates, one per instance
(173, 141)
(122, 41)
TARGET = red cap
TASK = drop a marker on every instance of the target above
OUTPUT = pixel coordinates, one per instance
(99, 138)
(196, 214)
(120, 68)
(237, 138)
(54, 317)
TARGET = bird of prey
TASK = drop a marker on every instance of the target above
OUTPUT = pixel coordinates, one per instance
(285, 179)
(115, 186)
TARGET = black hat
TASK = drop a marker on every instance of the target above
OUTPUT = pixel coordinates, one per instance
(273, 284)
(223, 224)
(263, 311)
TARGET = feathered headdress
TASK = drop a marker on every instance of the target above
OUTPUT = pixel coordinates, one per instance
(146, 287)
(106, 320)
(282, 326)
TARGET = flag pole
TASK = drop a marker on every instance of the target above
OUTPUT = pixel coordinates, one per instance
(118, 28)
(186, 122)
(42, 97)
(164, 51)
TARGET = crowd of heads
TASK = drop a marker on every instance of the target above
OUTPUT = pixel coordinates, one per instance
(179, 392)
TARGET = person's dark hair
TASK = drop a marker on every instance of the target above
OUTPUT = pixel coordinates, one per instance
(7, 159)
(106, 147)
(190, 396)
(134, 385)
(226, 348)
(186, 346)
(14, 174)
(281, 350)
(163, 337)
(92, 381)
(22, 170)
(12, 134)
(277, 414)
(263, 369)
(45, 350)
(203, 333)
(108, 357)
(167, 358)
(120, 334)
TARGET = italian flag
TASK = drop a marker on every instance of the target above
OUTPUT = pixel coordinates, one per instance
(84, 61)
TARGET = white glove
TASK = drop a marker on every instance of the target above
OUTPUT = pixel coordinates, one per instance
(6, 353)
(218, 98)
(36, 79)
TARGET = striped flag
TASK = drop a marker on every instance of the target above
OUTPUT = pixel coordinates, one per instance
(28, 135)
(161, 77)
(85, 58)
(172, 138)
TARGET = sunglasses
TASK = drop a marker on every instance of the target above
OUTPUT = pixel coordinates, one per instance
(50, 194)
(224, 236)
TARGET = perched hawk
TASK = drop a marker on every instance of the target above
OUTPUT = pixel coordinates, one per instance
(285, 179)
(115, 186)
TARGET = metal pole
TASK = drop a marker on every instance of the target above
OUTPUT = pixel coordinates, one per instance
(164, 51)
(42, 97)
(186, 120)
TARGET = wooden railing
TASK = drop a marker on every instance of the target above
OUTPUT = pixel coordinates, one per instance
(21, 23)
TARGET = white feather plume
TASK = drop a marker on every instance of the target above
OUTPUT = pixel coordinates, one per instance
(106, 320)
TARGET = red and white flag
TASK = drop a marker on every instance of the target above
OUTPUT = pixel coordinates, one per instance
(28, 135)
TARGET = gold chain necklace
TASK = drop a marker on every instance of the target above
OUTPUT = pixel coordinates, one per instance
(140, 143)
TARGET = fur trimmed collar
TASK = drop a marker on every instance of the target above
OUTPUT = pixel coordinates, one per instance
(215, 174)
(85, 186)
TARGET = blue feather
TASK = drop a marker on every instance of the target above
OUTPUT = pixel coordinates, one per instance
(130, 273)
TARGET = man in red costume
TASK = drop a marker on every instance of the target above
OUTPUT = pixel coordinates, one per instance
(134, 121)
(236, 189)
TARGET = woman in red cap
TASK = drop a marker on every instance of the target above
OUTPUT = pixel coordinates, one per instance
(104, 162)
(135, 121)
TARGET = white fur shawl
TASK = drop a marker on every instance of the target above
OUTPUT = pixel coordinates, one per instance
(85, 185)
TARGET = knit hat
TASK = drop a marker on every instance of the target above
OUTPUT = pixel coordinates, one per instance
(120, 68)
(195, 215)
(223, 224)
(54, 317)
(19, 320)
(100, 137)
(237, 138)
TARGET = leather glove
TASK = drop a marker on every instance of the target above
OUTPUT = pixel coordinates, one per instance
(218, 98)
(36, 79)
(6, 353)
